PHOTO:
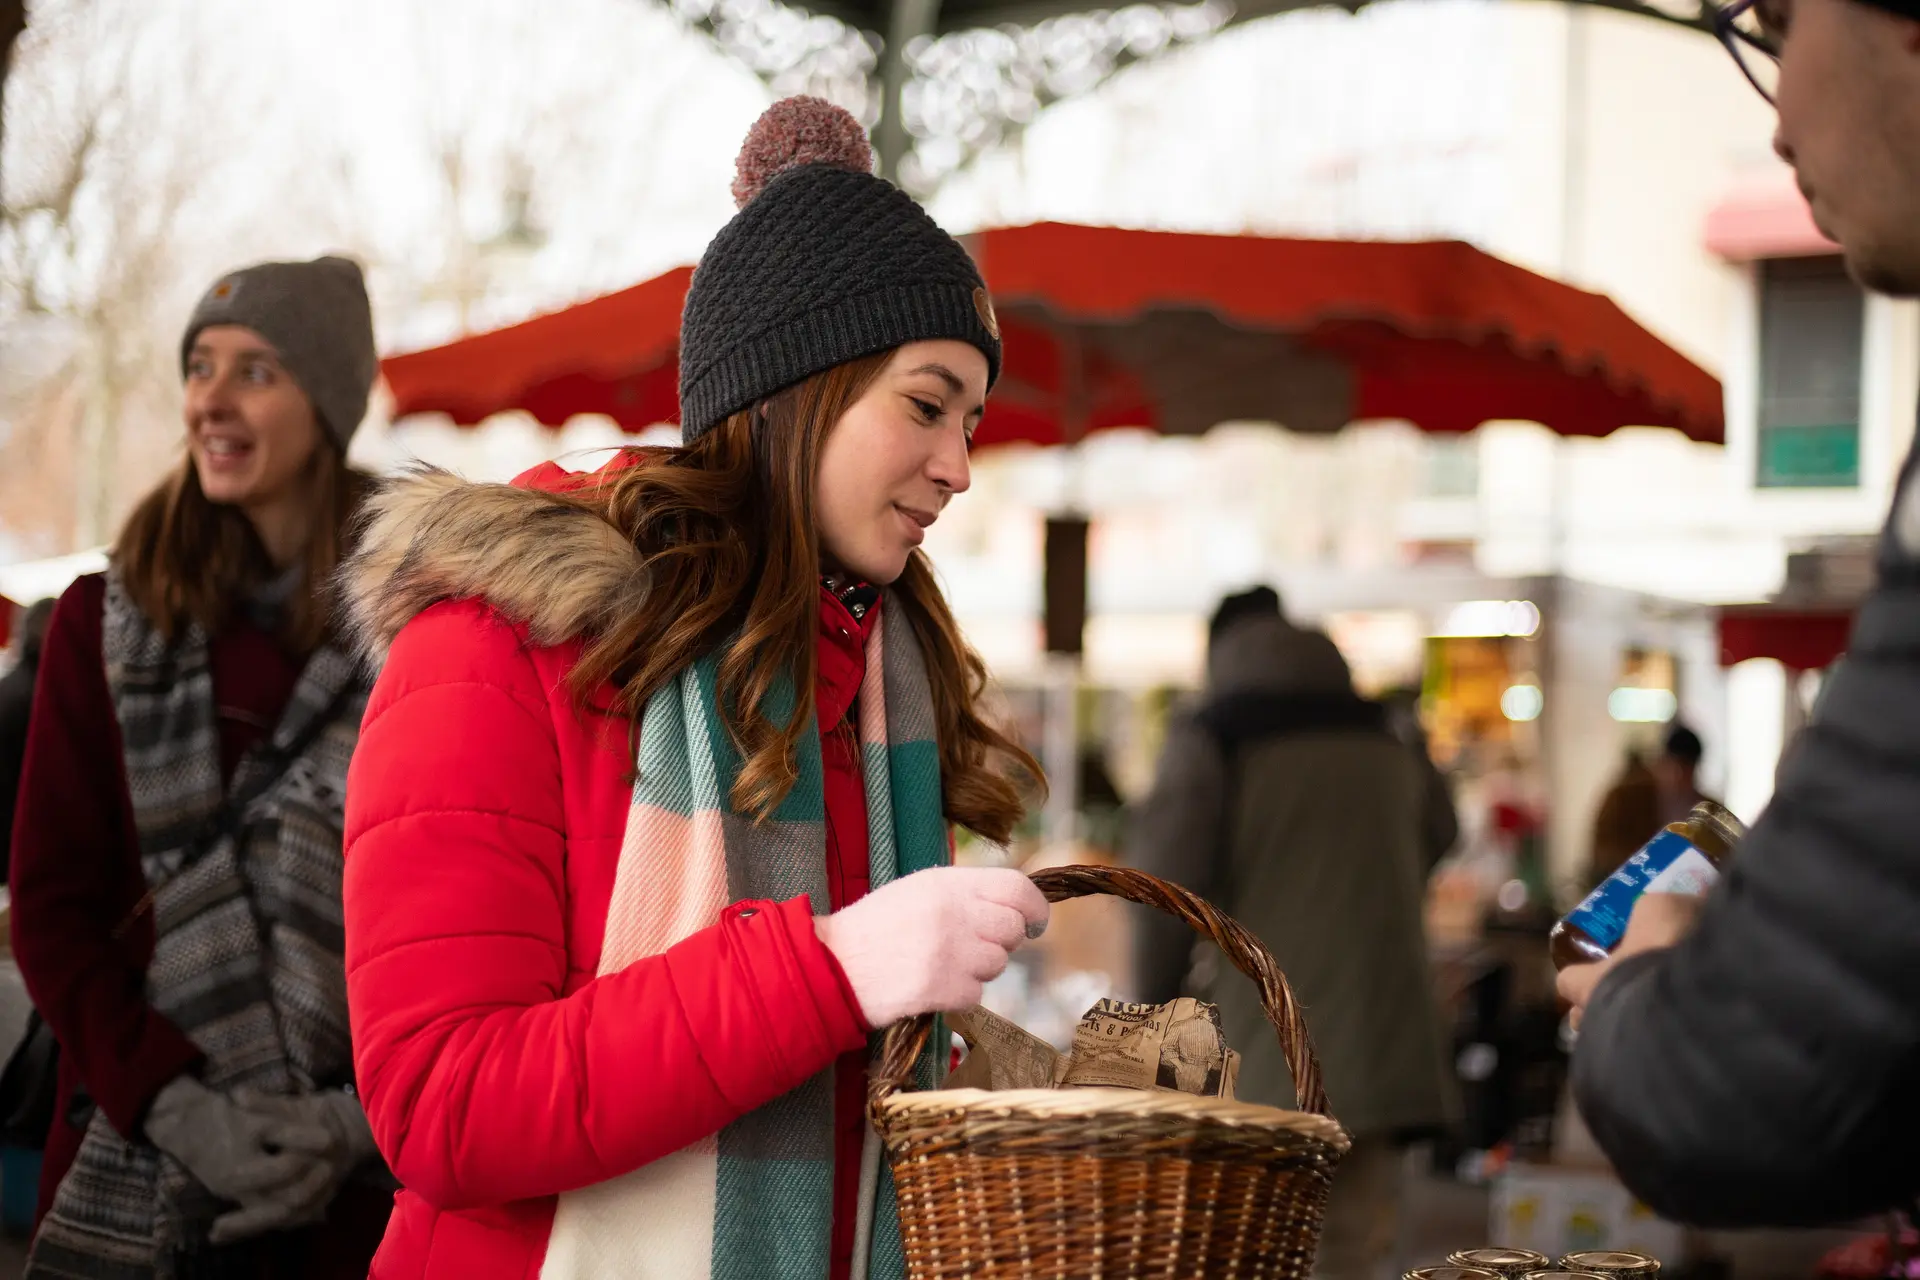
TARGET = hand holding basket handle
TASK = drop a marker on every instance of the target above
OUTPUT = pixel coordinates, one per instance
(905, 1040)
(929, 942)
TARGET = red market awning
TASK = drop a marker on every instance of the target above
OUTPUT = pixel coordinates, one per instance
(617, 355)
(1800, 640)
(1320, 333)
(1107, 327)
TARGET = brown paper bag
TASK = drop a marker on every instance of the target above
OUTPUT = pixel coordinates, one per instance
(1175, 1047)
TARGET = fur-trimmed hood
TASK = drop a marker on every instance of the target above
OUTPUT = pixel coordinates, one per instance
(536, 556)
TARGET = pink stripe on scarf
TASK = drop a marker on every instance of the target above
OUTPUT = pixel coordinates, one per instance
(873, 685)
(670, 884)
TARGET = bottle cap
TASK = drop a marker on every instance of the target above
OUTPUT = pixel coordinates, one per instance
(1720, 820)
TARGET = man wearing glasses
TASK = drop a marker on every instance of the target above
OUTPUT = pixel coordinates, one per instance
(1754, 1058)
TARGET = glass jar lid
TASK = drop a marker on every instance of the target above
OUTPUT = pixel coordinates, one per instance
(1500, 1259)
(1613, 1262)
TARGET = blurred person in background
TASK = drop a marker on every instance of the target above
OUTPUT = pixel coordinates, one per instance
(16, 701)
(177, 856)
(610, 1028)
(1103, 811)
(1285, 799)
(1676, 772)
(1628, 815)
(1403, 722)
(1645, 798)
(1753, 1058)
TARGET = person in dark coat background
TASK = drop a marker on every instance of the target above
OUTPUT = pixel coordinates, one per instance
(1752, 1058)
(16, 701)
(1288, 800)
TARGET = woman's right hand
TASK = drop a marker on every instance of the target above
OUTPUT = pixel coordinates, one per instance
(237, 1154)
(931, 941)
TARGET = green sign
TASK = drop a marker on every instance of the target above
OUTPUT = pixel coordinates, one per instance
(1809, 457)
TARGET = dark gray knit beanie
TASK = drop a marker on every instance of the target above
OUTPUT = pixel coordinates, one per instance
(824, 263)
(317, 317)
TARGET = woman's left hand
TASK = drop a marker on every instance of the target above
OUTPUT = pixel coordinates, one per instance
(304, 1202)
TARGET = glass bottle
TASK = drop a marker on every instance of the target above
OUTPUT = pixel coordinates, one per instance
(1686, 858)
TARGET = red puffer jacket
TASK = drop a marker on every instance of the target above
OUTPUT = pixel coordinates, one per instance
(484, 818)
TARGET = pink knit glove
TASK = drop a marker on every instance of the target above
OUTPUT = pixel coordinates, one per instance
(929, 942)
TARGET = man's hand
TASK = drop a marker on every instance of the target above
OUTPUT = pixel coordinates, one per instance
(1659, 920)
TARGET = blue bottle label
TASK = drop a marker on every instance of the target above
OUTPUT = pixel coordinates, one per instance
(1668, 864)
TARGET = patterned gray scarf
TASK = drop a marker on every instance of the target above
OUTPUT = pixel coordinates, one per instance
(249, 954)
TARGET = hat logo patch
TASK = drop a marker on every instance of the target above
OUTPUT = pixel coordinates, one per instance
(983, 305)
(224, 290)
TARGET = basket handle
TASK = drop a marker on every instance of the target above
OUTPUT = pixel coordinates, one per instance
(906, 1038)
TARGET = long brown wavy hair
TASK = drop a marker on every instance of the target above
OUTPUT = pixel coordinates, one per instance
(726, 527)
(184, 557)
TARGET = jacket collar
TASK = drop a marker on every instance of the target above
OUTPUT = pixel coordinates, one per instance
(542, 560)
(845, 624)
(537, 556)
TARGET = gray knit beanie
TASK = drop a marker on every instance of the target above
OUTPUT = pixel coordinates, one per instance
(824, 263)
(317, 317)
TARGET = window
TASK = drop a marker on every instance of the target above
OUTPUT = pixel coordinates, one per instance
(1812, 317)
(1450, 467)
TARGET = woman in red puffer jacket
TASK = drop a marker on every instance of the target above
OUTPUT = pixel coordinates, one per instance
(647, 826)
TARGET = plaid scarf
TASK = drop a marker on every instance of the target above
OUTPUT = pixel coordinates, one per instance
(755, 1202)
(248, 957)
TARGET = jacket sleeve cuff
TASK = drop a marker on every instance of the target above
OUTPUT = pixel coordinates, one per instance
(843, 1016)
(766, 964)
(162, 1055)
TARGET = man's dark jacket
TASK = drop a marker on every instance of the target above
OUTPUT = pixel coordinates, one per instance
(1766, 1071)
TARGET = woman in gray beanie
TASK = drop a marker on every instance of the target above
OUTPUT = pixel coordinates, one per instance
(177, 852)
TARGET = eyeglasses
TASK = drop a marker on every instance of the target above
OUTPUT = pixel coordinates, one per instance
(1751, 31)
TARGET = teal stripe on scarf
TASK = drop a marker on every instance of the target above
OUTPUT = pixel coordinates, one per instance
(774, 1194)
(914, 769)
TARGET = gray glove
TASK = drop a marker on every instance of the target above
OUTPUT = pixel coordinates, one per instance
(304, 1200)
(237, 1154)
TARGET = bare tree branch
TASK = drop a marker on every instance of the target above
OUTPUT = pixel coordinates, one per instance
(107, 156)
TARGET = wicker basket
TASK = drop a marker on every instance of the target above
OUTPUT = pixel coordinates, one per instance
(1113, 1182)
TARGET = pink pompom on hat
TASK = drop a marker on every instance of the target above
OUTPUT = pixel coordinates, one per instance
(824, 263)
(793, 132)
